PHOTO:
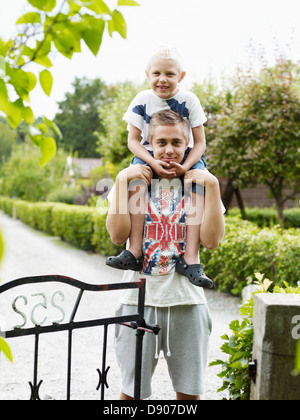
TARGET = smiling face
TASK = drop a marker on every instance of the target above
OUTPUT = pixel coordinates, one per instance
(164, 77)
(169, 143)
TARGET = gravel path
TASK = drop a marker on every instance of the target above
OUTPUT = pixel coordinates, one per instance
(33, 253)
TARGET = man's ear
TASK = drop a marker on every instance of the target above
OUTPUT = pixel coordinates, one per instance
(187, 143)
(147, 74)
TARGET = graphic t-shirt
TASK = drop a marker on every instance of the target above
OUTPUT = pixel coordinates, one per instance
(147, 103)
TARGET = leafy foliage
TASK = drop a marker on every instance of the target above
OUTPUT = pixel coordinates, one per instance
(112, 141)
(78, 116)
(256, 133)
(239, 346)
(246, 248)
(22, 176)
(48, 27)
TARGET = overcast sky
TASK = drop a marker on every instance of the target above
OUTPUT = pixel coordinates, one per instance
(213, 36)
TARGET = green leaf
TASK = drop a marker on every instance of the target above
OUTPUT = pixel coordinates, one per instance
(5, 349)
(46, 81)
(127, 3)
(67, 39)
(117, 24)
(15, 113)
(48, 149)
(31, 17)
(54, 127)
(28, 115)
(46, 5)
(92, 35)
(97, 6)
(22, 81)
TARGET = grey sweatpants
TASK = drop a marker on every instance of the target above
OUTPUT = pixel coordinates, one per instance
(183, 338)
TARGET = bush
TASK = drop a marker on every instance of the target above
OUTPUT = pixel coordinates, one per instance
(268, 217)
(81, 226)
(239, 346)
(246, 249)
(64, 194)
(74, 224)
(22, 177)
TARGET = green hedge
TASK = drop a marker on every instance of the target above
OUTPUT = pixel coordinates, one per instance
(245, 249)
(81, 226)
(268, 217)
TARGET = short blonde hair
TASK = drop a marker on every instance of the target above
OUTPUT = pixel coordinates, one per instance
(168, 117)
(167, 53)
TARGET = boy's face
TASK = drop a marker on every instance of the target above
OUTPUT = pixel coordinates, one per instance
(169, 143)
(164, 77)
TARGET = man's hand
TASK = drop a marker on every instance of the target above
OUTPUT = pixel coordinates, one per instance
(201, 177)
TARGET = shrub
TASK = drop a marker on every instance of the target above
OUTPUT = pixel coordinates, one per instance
(73, 224)
(268, 217)
(239, 346)
(246, 249)
(64, 194)
(22, 176)
(81, 226)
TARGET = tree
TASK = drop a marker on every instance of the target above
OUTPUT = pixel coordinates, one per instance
(112, 141)
(257, 133)
(78, 118)
(49, 26)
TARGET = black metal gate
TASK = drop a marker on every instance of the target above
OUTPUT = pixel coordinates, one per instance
(135, 321)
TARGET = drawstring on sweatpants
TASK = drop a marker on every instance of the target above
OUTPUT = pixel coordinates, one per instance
(168, 334)
(156, 337)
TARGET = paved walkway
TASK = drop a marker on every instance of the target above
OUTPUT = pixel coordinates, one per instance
(29, 252)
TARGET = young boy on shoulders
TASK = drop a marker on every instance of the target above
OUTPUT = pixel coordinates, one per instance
(165, 72)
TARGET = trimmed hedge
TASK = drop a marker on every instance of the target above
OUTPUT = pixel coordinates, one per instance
(268, 217)
(245, 249)
(80, 226)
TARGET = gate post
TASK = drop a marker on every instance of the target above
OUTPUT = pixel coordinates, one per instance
(276, 322)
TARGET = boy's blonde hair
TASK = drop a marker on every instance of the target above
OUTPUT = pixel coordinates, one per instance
(168, 117)
(167, 53)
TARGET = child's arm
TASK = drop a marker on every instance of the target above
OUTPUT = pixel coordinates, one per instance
(134, 145)
(198, 149)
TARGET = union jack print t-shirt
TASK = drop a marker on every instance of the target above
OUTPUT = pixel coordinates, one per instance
(165, 227)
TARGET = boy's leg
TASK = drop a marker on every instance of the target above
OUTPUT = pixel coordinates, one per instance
(137, 215)
(194, 218)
